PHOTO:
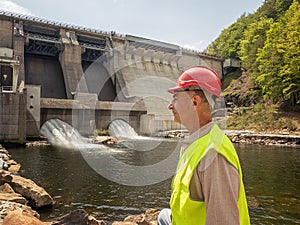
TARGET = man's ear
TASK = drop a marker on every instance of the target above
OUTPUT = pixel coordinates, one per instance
(197, 100)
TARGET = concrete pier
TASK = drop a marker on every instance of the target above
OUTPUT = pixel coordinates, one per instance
(13, 116)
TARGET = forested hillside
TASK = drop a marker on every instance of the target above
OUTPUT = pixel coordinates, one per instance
(268, 44)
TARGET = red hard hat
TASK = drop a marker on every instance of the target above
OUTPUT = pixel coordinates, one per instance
(202, 76)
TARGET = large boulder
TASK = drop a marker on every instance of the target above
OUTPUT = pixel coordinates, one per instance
(36, 195)
(8, 207)
(147, 218)
(6, 162)
(77, 217)
(124, 223)
(18, 217)
(8, 194)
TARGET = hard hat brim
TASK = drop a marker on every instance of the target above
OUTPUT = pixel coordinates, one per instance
(182, 89)
(172, 90)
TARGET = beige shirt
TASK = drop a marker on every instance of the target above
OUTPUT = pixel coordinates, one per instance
(216, 182)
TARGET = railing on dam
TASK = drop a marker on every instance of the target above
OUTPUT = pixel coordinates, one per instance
(80, 28)
(56, 23)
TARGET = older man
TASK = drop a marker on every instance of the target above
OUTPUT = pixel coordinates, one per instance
(207, 187)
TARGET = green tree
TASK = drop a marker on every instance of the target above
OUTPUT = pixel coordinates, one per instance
(279, 60)
(254, 38)
(267, 42)
(228, 43)
(274, 8)
(290, 46)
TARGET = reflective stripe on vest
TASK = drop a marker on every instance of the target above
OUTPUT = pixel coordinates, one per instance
(186, 211)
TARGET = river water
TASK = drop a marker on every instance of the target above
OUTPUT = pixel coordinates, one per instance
(271, 175)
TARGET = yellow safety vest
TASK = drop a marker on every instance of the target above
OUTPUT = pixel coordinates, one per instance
(186, 211)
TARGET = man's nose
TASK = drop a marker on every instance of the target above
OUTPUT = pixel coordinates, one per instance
(170, 106)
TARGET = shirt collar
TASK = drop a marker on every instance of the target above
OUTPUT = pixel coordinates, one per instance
(198, 134)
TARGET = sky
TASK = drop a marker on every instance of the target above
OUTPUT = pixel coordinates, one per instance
(190, 24)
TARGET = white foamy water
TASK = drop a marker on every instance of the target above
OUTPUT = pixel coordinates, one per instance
(129, 138)
(121, 129)
(61, 134)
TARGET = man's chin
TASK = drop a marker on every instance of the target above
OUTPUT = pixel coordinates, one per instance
(176, 120)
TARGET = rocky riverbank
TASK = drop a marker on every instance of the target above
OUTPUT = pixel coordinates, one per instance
(246, 137)
(17, 192)
(21, 197)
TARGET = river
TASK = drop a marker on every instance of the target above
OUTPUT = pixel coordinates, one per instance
(271, 175)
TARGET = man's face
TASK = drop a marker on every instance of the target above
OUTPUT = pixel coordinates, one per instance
(182, 106)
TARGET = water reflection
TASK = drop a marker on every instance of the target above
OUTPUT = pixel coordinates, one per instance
(271, 175)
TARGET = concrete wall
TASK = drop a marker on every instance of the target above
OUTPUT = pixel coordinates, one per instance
(99, 81)
(18, 47)
(213, 62)
(6, 33)
(149, 81)
(88, 116)
(70, 60)
(13, 116)
(46, 72)
(33, 110)
(187, 59)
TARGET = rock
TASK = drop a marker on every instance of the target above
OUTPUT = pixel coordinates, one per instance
(77, 217)
(5, 157)
(103, 140)
(3, 150)
(252, 202)
(147, 218)
(6, 188)
(124, 223)
(7, 163)
(5, 177)
(150, 216)
(3, 164)
(265, 139)
(37, 195)
(8, 207)
(18, 217)
(14, 168)
(8, 194)
(38, 144)
(92, 221)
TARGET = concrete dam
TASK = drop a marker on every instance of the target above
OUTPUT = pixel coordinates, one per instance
(85, 77)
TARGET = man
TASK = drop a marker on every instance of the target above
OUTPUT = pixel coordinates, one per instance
(207, 187)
